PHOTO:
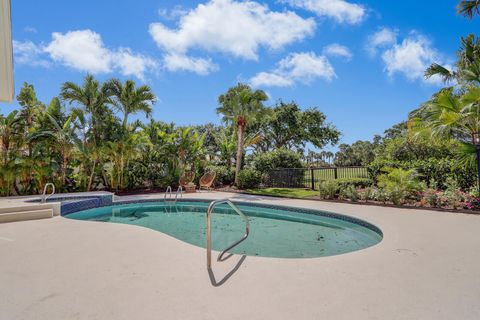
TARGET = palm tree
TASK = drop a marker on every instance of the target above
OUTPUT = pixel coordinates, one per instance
(8, 133)
(129, 99)
(450, 114)
(238, 106)
(467, 67)
(469, 8)
(31, 108)
(65, 139)
(91, 99)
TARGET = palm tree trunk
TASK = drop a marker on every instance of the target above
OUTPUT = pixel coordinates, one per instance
(125, 120)
(90, 181)
(238, 164)
(64, 168)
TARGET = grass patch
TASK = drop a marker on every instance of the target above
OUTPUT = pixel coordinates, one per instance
(284, 192)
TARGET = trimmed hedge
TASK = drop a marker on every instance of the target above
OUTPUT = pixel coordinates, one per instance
(280, 158)
(249, 178)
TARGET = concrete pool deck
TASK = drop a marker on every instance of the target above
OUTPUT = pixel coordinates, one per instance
(426, 267)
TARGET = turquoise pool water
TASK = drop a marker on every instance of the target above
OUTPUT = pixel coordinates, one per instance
(274, 232)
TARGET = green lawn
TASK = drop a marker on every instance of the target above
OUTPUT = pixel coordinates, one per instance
(284, 192)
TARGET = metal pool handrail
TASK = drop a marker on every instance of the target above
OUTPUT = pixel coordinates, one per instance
(170, 193)
(209, 229)
(179, 191)
(44, 195)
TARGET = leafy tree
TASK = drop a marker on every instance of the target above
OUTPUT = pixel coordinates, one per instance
(239, 105)
(286, 126)
(360, 153)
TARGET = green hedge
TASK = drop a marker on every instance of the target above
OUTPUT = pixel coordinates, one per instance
(249, 178)
(280, 158)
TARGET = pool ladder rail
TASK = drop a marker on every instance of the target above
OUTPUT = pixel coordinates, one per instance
(44, 195)
(169, 193)
(211, 207)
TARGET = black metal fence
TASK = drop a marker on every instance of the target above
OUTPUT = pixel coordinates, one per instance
(310, 177)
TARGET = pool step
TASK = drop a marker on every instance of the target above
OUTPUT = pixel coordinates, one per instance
(19, 215)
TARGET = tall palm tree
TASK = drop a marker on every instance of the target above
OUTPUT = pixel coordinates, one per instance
(238, 106)
(469, 8)
(91, 99)
(31, 108)
(130, 99)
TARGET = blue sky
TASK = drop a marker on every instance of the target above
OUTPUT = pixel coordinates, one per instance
(360, 62)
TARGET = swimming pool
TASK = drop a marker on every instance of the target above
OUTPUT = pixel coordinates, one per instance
(275, 231)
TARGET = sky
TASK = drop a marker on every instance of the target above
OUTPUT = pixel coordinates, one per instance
(360, 62)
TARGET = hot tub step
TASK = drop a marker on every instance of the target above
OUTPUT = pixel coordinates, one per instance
(26, 215)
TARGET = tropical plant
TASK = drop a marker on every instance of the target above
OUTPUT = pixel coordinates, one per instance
(469, 8)
(467, 67)
(450, 114)
(239, 106)
(90, 109)
(400, 185)
(130, 99)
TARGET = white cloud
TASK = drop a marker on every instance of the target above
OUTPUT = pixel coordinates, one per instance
(133, 64)
(179, 62)
(231, 27)
(301, 67)
(172, 14)
(340, 10)
(383, 37)
(29, 53)
(84, 50)
(337, 50)
(410, 57)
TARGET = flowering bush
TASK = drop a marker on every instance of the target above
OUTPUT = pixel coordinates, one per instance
(473, 204)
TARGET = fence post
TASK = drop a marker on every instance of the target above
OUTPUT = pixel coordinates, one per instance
(312, 178)
(335, 173)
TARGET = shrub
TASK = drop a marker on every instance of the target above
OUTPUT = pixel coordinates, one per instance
(432, 197)
(249, 178)
(438, 170)
(355, 182)
(280, 158)
(453, 196)
(365, 194)
(349, 193)
(328, 189)
(378, 195)
(400, 185)
(225, 175)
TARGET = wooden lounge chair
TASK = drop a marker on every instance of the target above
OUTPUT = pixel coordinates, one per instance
(207, 180)
(186, 181)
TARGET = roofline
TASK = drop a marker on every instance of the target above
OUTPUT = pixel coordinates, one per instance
(6, 53)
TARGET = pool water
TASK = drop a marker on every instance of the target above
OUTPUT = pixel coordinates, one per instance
(274, 231)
